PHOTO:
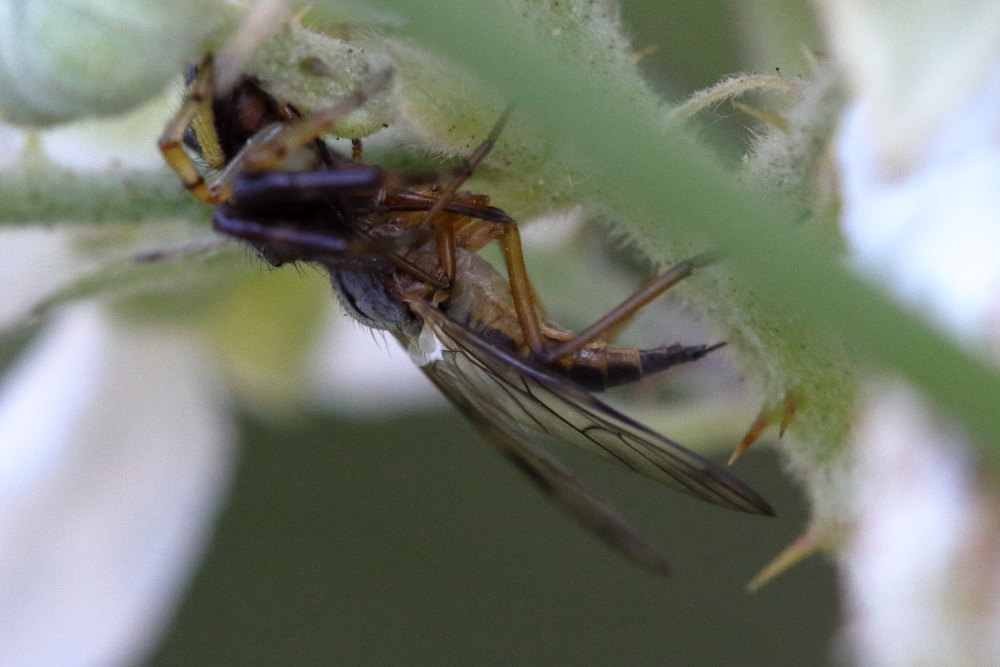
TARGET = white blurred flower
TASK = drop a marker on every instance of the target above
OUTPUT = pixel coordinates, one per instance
(117, 443)
(919, 163)
(362, 372)
(114, 454)
(116, 449)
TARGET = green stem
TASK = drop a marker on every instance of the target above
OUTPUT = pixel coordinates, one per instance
(59, 196)
(646, 169)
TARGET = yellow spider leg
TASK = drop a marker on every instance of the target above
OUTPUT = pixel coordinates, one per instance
(195, 111)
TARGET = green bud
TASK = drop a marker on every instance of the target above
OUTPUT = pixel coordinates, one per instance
(67, 59)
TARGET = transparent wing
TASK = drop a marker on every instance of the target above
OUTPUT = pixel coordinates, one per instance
(522, 399)
(544, 469)
(513, 401)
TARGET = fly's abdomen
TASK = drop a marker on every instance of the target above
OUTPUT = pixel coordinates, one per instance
(599, 366)
(595, 367)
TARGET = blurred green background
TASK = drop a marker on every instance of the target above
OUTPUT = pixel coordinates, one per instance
(411, 541)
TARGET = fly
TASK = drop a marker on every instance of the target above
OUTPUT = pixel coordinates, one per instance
(403, 257)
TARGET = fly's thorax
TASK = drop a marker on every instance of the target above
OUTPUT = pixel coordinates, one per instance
(368, 298)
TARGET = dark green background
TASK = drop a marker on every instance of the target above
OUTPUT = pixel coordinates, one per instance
(415, 542)
(411, 541)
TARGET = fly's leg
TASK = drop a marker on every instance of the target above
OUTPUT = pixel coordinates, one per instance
(414, 201)
(526, 303)
(626, 309)
(620, 365)
(506, 233)
(445, 232)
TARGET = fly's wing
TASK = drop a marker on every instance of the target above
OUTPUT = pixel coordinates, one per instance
(544, 469)
(513, 401)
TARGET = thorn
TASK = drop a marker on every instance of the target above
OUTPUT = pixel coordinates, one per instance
(642, 53)
(752, 434)
(806, 545)
(769, 415)
(792, 399)
(296, 19)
